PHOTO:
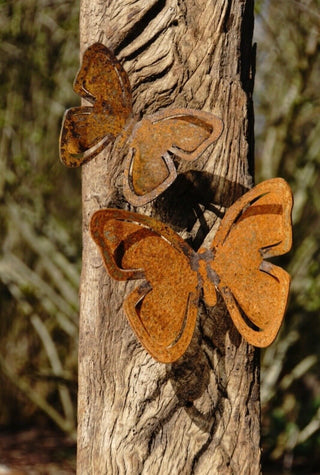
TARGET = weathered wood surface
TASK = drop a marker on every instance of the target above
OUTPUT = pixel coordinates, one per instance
(200, 415)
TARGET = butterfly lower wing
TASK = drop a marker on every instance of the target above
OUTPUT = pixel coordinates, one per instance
(86, 130)
(256, 227)
(270, 311)
(149, 168)
(84, 134)
(153, 179)
(163, 309)
(165, 334)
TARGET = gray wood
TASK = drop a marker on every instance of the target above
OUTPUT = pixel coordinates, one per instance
(200, 415)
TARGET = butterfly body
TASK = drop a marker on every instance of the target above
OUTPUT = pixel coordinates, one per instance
(149, 143)
(163, 309)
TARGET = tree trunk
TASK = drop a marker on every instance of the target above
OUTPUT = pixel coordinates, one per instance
(201, 414)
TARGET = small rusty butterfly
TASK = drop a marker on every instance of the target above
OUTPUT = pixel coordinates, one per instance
(148, 143)
(163, 309)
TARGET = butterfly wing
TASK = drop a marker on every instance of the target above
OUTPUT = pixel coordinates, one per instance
(86, 130)
(255, 228)
(163, 309)
(149, 168)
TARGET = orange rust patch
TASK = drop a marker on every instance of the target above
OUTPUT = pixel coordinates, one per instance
(149, 168)
(163, 309)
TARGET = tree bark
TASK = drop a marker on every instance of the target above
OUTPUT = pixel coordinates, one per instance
(200, 415)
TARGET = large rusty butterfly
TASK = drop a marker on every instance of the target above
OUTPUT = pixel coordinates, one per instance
(163, 309)
(148, 144)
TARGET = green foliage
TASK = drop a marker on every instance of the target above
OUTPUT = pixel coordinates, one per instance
(40, 212)
(288, 145)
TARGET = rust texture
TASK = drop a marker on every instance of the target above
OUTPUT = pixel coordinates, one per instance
(149, 167)
(86, 130)
(149, 144)
(163, 309)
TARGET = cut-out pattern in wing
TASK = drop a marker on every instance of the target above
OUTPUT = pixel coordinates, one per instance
(86, 130)
(163, 309)
(255, 228)
(183, 132)
(149, 143)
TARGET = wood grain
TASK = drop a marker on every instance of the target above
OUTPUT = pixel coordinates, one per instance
(201, 414)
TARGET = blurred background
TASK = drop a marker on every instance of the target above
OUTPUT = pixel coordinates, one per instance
(40, 223)
(40, 229)
(287, 108)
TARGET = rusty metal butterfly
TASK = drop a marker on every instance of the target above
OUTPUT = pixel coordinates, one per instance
(149, 143)
(163, 309)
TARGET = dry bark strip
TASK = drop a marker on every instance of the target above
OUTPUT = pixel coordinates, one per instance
(200, 415)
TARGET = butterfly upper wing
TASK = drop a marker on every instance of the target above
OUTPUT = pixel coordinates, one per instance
(101, 76)
(149, 169)
(86, 130)
(163, 309)
(255, 228)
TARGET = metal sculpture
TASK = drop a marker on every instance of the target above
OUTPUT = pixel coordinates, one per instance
(149, 168)
(163, 309)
